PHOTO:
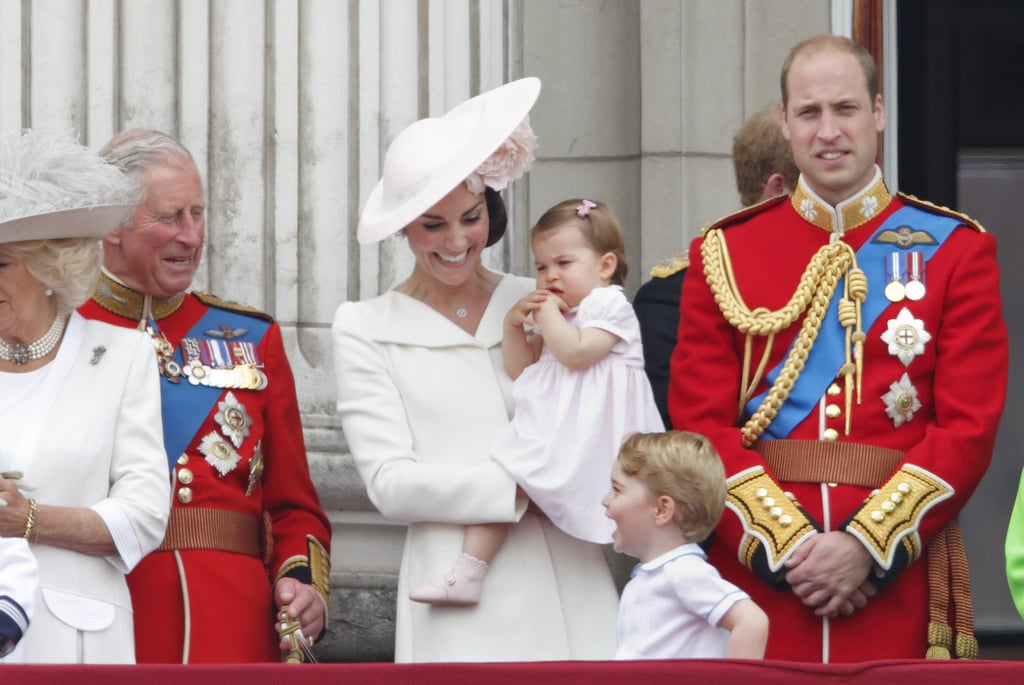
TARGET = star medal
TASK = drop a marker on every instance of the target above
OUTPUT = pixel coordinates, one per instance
(233, 419)
(894, 290)
(255, 469)
(906, 336)
(901, 401)
(915, 275)
(219, 453)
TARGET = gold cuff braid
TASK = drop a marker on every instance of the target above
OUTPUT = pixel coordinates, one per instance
(893, 513)
(318, 561)
(768, 514)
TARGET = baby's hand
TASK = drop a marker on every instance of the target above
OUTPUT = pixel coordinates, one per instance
(557, 301)
(522, 311)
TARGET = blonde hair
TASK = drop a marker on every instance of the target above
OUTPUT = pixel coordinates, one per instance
(70, 267)
(599, 227)
(683, 466)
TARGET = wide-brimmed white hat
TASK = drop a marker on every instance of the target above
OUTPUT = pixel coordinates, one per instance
(432, 156)
(53, 187)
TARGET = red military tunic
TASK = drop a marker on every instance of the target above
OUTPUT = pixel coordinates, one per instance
(237, 525)
(932, 383)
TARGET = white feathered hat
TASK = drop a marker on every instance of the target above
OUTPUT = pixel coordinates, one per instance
(53, 187)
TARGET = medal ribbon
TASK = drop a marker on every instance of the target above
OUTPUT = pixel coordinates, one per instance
(829, 353)
(186, 406)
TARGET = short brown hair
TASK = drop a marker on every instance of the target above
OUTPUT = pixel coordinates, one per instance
(824, 43)
(759, 150)
(683, 466)
(599, 227)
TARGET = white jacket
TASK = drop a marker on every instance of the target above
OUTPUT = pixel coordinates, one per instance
(96, 441)
(421, 401)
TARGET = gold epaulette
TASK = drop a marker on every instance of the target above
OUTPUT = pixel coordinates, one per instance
(214, 301)
(670, 266)
(939, 209)
(771, 520)
(742, 214)
(891, 516)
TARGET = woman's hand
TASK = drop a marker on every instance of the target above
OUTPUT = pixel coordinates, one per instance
(14, 510)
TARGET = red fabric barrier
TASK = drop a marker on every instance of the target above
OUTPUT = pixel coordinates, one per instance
(723, 672)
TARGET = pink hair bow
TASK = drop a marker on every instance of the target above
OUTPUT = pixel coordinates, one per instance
(584, 208)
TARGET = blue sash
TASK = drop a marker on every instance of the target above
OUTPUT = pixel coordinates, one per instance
(829, 352)
(186, 406)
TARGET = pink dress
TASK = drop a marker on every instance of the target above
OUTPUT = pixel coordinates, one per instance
(568, 425)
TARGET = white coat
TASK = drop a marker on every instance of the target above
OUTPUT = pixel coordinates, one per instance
(96, 441)
(421, 402)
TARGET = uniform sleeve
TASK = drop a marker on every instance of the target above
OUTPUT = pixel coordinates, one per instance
(139, 502)
(706, 368)
(399, 482)
(657, 309)
(300, 529)
(968, 390)
(19, 582)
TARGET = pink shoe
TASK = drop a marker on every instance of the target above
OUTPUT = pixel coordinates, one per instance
(461, 585)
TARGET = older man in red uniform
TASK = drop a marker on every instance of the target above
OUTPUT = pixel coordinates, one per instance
(246, 536)
(846, 353)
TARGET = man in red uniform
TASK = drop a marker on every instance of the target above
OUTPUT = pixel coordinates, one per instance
(845, 351)
(246, 536)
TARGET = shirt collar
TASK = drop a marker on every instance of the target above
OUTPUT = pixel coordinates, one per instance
(689, 549)
(116, 297)
(852, 212)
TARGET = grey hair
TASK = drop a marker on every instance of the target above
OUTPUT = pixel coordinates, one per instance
(136, 149)
(44, 172)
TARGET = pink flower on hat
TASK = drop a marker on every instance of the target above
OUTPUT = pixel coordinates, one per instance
(509, 162)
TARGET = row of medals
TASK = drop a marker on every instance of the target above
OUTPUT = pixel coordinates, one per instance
(241, 376)
(905, 275)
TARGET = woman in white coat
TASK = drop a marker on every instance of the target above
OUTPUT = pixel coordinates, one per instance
(85, 473)
(422, 393)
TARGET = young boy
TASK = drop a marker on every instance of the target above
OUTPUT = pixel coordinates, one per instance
(668, 492)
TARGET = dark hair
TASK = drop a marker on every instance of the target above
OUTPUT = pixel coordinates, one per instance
(496, 215)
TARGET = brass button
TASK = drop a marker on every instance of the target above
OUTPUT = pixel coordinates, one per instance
(185, 495)
(834, 390)
(183, 459)
(831, 434)
(185, 476)
(833, 411)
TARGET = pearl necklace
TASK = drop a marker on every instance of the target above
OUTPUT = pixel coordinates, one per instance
(21, 354)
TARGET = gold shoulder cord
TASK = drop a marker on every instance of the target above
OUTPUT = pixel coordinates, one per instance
(813, 294)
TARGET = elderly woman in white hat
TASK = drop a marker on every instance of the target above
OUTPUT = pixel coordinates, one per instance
(84, 473)
(422, 394)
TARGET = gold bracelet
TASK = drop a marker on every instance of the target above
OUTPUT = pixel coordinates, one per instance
(31, 519)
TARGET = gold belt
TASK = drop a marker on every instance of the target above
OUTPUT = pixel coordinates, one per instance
(816, 461)
(201, 528)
